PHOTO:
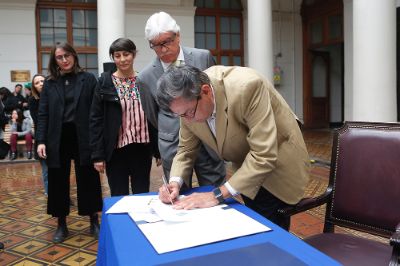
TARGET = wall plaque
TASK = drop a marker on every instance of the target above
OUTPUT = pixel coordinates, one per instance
(20, 75)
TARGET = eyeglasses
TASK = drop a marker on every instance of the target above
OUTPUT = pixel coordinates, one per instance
(166, 44)
(62, 57)
(190, 113)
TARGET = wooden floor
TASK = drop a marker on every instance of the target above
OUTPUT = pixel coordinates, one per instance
(26, 229)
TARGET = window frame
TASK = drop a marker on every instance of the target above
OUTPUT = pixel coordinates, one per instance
(69, 7)
(218, 12)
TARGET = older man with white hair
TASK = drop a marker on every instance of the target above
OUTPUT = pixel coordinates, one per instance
(163, 35)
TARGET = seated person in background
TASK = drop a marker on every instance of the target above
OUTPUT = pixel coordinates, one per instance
(21, 128)
(28, 94)
(15, 100)
(3, 116)
(239, 114)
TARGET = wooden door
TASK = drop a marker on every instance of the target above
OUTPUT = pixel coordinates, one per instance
(320, 89)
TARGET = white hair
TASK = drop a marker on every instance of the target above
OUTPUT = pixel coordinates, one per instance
(159, 23)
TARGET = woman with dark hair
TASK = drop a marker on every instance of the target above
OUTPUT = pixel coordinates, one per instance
(21, 128)
(63, 135)
(33, 103)
(122, 140)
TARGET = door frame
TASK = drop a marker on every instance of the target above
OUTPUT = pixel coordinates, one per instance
(320, 10)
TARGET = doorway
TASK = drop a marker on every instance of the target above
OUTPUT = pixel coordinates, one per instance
(323, 69)
(320, 89)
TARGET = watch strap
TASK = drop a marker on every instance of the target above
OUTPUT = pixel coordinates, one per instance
(218, 195)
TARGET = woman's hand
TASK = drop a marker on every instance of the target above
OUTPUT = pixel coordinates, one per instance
(99, 166)
(41, 150)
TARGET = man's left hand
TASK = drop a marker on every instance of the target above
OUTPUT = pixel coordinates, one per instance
(196, 200)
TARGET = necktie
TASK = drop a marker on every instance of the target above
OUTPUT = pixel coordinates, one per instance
(179, 63)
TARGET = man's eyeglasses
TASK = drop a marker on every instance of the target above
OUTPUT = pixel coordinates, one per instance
(190, 113)
(62, 57)
(165, 44)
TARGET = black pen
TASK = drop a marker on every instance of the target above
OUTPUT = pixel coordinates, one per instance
(166, 187)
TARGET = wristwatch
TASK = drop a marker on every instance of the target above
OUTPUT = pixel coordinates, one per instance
(218, 195)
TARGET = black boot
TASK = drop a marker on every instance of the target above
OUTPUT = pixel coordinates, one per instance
(94, 226)
(1, 245)
(13, 156)
(29, 155)
(62, 230)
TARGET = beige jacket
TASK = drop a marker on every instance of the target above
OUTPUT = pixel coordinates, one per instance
(256, 131)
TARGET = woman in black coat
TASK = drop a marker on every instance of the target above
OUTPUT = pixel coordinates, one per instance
(123, 141)
(63, 135)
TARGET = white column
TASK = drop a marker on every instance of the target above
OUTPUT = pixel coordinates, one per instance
(348, 59)
(374, 60)
(260, 36)
(110, 26)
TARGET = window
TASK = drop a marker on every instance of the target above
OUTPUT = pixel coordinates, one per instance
(72, 21)
(219, 28)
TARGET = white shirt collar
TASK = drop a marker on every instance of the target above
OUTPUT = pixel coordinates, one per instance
(180, 57)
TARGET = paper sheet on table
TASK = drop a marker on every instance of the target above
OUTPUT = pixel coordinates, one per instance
(138, 208)
(147, 208)
(202, 226)
(132, 203)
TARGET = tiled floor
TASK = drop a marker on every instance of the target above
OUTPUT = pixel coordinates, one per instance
(26, 229)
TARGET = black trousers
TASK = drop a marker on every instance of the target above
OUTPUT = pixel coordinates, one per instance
(267, 205)
(131, 162)
(87, 180)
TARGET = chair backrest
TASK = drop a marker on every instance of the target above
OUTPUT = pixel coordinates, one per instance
(365, 178)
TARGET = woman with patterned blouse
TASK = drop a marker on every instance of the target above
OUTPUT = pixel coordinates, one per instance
(123, 142)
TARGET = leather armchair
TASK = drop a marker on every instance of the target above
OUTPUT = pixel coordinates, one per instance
(363, 194)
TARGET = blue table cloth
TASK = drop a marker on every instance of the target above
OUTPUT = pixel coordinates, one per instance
(122, 243)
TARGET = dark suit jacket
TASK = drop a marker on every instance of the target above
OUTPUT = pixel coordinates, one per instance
(50, 117)
(210, 169)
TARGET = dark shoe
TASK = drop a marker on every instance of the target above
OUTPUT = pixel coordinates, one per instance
(29, 155)
(95, 230)
(61, 234)
(13, 156)
(94, 226)
(1, 245)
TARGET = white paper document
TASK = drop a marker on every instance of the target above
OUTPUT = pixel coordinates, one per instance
(132, 203)
(148, 209)
(202, 226)
(138, 208)
(168, 229)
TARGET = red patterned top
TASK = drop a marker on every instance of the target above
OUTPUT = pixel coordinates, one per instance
(134, 128)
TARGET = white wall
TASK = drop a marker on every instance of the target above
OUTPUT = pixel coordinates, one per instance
(288, 36)
(18, 39)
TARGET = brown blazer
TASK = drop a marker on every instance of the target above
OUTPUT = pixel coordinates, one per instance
(256, 131)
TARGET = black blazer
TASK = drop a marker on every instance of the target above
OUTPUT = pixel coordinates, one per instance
(106, 120)
(50, 117)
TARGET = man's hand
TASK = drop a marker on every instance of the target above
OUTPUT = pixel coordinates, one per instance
(196, 200)
(173, 194)
(41, 150)
(99, 166)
